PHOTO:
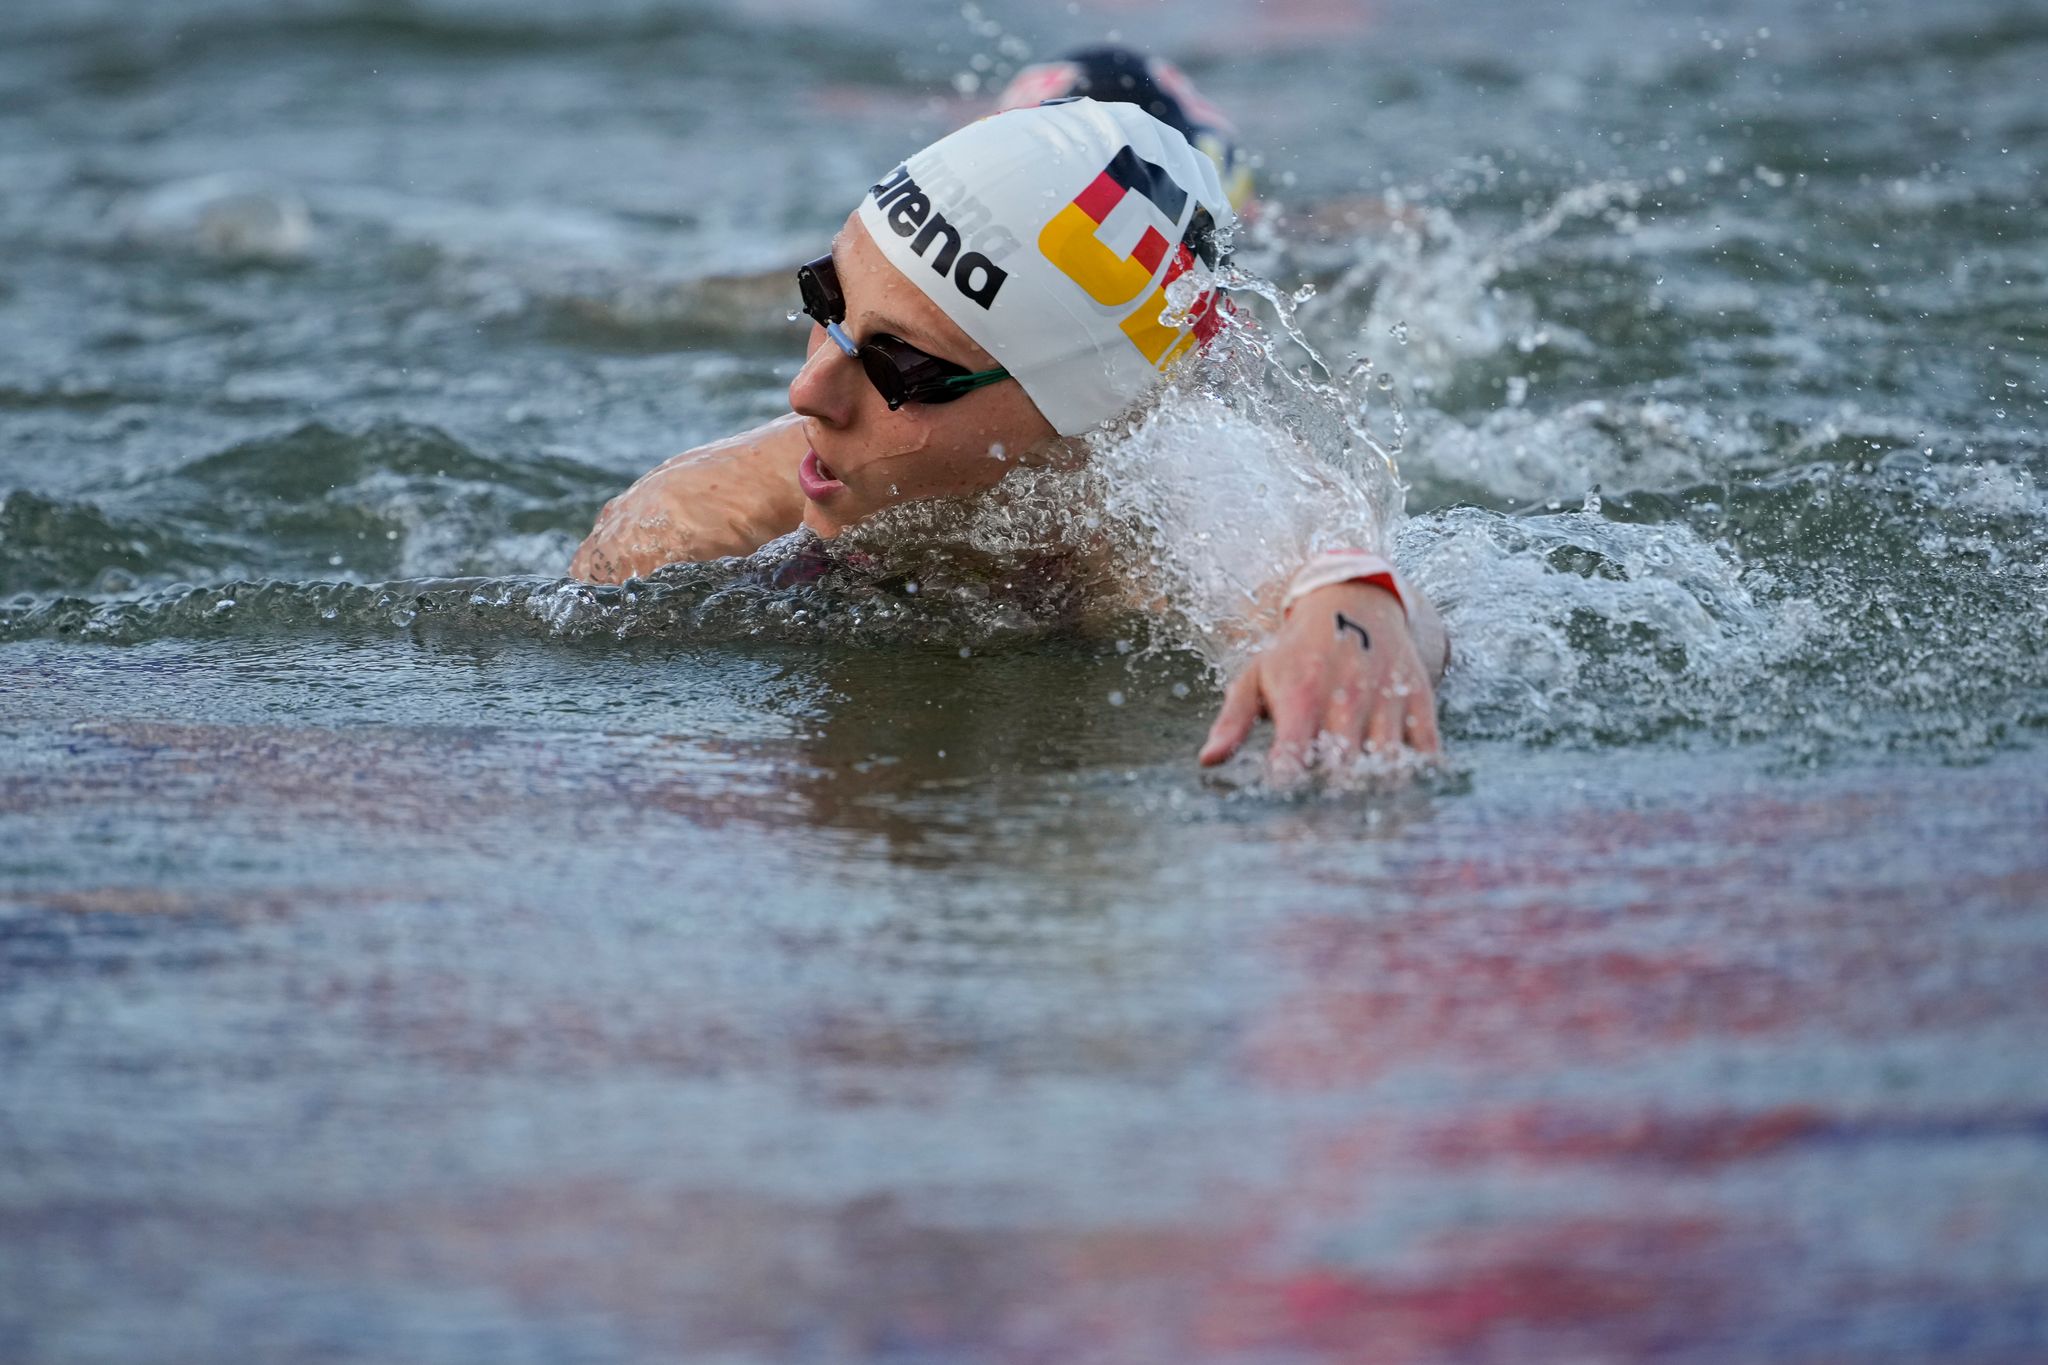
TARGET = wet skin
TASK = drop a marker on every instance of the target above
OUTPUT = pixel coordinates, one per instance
(842, 456)
(734, 496)
(872, 458)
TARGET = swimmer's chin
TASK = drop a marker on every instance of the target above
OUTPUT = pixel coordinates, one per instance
(829, 523)
(820, 523)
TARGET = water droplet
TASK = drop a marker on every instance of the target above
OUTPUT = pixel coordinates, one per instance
(1116, 699)
(997, 451)
(1399, 332)
(1180, 689)
(1385, 381)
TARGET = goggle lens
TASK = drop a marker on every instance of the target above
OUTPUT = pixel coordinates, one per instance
(900, 372)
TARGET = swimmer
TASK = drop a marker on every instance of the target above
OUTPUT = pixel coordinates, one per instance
(1113, 73)
(966, 303)
(1121, 75)
(1301, 232)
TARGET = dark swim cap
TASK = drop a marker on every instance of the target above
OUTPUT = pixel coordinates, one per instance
(1118, 75)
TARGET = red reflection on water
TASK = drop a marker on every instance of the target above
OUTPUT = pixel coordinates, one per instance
(1577, 1274)
(1543, 1132)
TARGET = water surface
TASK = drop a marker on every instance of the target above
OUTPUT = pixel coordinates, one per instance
(407, 955)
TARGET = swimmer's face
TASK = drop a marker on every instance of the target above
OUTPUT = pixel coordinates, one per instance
(869, 458)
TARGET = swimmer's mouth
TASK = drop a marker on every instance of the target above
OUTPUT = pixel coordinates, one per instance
(815, 479)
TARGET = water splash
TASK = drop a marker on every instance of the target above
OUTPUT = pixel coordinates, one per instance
(1428, 283)
(1571, 626)
(1687, 601)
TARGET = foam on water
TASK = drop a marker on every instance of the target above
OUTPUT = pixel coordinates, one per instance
(1570, 626)
(233, 218)
(1520, 455)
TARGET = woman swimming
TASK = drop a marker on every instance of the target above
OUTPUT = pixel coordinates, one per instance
(971, 303)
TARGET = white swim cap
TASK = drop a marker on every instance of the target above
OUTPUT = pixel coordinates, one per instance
(1050, 235)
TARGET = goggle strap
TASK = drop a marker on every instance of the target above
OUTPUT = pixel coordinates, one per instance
(954, 385)
(978, 379)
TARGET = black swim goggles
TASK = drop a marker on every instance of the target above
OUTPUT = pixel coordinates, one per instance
(899, 371)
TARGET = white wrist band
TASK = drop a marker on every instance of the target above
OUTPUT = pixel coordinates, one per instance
(1345, 566)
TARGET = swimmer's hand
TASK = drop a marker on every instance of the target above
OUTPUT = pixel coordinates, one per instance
(1344, 674)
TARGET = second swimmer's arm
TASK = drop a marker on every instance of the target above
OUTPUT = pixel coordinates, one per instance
(727, 498)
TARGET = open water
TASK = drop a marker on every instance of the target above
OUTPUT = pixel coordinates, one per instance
(406, 955)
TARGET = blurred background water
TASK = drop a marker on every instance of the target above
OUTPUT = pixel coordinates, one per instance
(408, 955)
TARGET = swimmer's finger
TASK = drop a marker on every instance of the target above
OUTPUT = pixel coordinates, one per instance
(1297, 719)
(1422, 731)
(1383, 735)
(1240, 712)
(1346, 723)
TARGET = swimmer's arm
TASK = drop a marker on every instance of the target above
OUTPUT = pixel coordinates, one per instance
(1347, 662)
(727, 498)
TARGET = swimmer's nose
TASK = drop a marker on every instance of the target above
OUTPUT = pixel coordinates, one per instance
(826, 389)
